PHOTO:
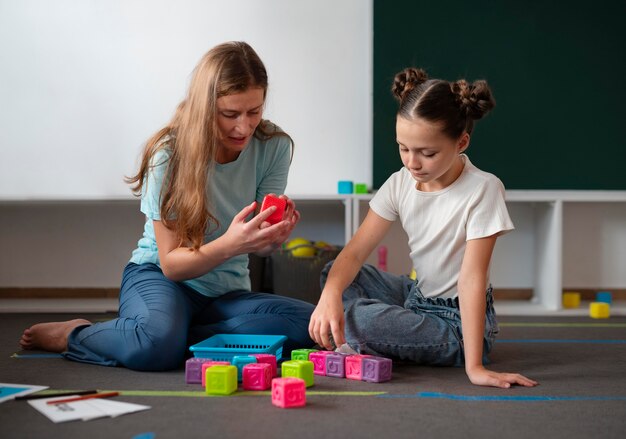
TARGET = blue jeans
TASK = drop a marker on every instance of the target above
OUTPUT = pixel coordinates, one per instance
(159, 319)
(387, 315)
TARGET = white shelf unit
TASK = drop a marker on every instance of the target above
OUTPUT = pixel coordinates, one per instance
(537, 256)
(563, 239)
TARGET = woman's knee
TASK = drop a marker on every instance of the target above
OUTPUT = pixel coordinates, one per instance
(163, 350)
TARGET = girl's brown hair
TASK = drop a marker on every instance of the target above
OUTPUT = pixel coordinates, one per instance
(192, 134)
(456, 105)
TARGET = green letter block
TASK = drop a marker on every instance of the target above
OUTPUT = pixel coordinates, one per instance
(301, 354)
(221, 380)
(298, 369)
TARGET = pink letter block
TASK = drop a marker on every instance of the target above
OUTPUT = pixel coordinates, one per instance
(269, 359)
(257, 376)
(319, 361)
(376, 369)
(288, 392)
(354, 366)
(208, 364)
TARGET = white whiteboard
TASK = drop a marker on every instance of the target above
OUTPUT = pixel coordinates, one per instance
(84, 83)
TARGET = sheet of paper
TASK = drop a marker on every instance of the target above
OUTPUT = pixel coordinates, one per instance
(84, 410)
(10, 391)
(71, 411)
(117, 408)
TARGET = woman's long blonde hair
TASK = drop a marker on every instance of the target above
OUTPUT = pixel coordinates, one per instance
(192, 135)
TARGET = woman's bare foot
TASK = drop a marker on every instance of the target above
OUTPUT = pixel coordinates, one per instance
(50, 337)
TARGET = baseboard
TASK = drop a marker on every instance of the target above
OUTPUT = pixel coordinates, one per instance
(112, 293)
(59, 293)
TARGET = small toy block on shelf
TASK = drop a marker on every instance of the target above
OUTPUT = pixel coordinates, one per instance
(376, 369)
(298, 369)
(239, 361)
(319, 361)
(302, 354)
(277, 215)
(354, 366)
(345, 187)
(335, 365)
(288, 392)
(268, 359)
(193, 370)
(221, 380)
(571, 299)
(599, 310)
(360, 188)
(209, 363)
(604, 297)
(257, 376)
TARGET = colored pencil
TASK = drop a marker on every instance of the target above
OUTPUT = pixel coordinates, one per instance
(80, 398)
(54, 395)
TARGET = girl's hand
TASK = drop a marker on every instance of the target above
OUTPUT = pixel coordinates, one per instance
(484, 377)
(328, 318)
(255, 235)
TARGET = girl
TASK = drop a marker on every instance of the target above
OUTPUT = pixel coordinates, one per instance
(452, 213)
(200, 179)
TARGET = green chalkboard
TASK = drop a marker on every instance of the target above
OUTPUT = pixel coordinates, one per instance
(557, 70)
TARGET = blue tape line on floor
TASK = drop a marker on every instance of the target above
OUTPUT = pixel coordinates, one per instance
(527, 398)
(548, 340)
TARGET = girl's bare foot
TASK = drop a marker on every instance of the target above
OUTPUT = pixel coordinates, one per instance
(50, 337)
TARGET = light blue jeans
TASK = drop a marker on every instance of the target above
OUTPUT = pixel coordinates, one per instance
(159, 319)
(387, 315)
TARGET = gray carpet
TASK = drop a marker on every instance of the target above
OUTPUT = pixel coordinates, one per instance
(582, 394)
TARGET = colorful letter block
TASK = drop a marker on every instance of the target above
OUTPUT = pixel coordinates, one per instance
(301, 354)
(335, 365)
(208, 363)
(571, 299)
(599, 310)
(193, 370)
(360, 188)
(345, 187)
(604, 296)
(239, 361)
(257, 376)
(376, 369)
(288, 392)
(280, 203)
(354, 366)
(299, 369)
(269, 359)
(221, 380)
(319, 361)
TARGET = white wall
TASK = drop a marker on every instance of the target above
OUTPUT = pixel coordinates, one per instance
(83, 83)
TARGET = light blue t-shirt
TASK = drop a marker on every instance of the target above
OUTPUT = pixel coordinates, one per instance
(261, 168)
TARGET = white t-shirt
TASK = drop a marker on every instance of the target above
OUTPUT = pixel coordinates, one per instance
(440, 223)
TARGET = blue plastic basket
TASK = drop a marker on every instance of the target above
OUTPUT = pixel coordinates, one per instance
(223, 347)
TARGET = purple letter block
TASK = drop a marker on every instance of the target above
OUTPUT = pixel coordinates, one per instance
(376, 369)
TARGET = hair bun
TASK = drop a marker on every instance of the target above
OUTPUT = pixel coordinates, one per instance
(474, 99)
(407, 80)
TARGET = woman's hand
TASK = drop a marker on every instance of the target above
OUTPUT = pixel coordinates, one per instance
(290, 219)
(328, 318)
(483, 377)
(257, 234)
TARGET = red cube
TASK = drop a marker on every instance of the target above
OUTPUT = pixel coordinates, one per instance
(269, 359)
(257, 376)
(354, 366)
(280, 204)
(288, 392)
